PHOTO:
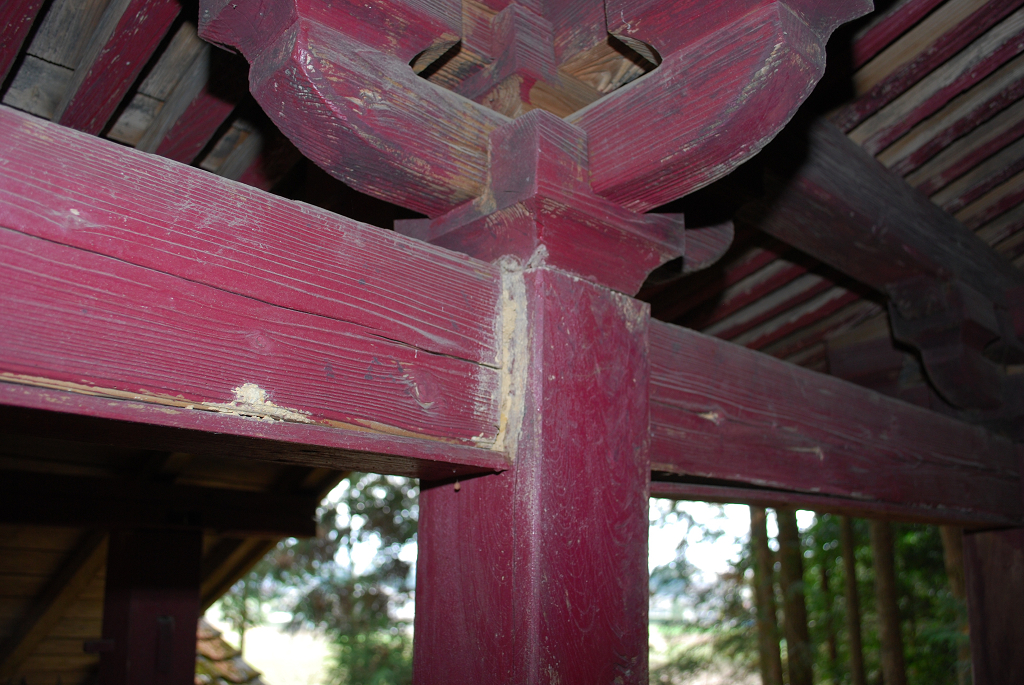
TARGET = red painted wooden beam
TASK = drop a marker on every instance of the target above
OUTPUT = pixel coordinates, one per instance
(837, 196)
(128, 34)
(757, 421)
(540, 574)
(16, 18)
(225, 299)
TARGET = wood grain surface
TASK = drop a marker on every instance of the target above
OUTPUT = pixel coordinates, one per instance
(759, 421)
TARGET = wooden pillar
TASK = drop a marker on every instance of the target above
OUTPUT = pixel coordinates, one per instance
(800, 659)
(849, 548)
(994, 571)
(894, 670)
(539, 574)
(953, 557)
(151, 607)
(764, 596)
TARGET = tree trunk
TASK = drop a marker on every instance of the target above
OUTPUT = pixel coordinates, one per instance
(953, 554)
(893, 668)
(764, 596)
(830, 632)
(798, 641)
(852, 601)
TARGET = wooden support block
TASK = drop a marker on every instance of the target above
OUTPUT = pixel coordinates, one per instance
(540, 574)
(540, 209)
(151, 608)
(128, 34)
(759, 422)
(710, 104)
(994, 569)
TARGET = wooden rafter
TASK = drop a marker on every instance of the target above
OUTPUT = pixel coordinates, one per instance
(47, 608)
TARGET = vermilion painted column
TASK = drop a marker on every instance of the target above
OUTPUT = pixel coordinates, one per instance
(539, 575)
(150, 608)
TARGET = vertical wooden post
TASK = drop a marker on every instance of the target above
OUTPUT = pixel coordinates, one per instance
(800, 660)
(953, 557)
(849, 547)
(764, 596)
(539, 574)
(894, 670)
(830, 630)
(994, 570)
(151, 607)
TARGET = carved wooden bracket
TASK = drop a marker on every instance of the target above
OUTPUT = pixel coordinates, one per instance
(339, 80)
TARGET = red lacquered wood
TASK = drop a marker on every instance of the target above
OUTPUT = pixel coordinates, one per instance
(540, 575)
(940, 132)
(829, 302)
(888, 26)
(352, 104)
(940, 50)
(45, 413)
(961, 166)
(196, 126)
(539, 207)
(726, 85)
(99, 86)
(994, 574)
(75, 317)
(930, 94)
(760, 421)
(16, 18)
(841, 197)
(71, 188)
(151, 607)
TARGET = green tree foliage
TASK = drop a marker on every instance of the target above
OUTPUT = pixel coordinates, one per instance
(722, 615)
(320, 582)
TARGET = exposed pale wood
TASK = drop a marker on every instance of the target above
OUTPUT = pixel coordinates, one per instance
(75, 573)
(1003, 227)
(771, 304)
(994, 204)
(828, 302)
(766, 423)
(963, 155)
(980, 58)
(887, 600)
(949, 17)
(187, 88)
(37, 87)
(982, 178)
(63, 35)
(884, 28)
(959, 116)
(126, 37)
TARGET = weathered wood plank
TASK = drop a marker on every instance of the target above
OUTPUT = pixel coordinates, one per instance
(128, 34)
(759, 421)
(959, 116)
(240, 240)
(17, 17)
(342, 90)
(143, 425)
(886, 27)
(986, 54)
(713, 104)
(148, 335)
(928, 45)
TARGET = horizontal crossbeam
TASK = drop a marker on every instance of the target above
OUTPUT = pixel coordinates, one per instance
(725, 418)
(141, 290)
(47, 499)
